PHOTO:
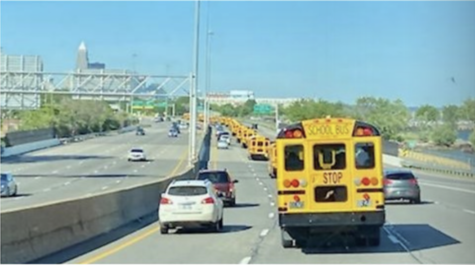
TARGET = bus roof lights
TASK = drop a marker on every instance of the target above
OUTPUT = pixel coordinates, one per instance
(364, 131)
(295, 133)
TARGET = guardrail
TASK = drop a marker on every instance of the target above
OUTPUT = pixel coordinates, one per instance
(35, 146)
(411, 159)
(30, 234)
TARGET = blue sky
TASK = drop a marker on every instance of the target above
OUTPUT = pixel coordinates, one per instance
(332, 50)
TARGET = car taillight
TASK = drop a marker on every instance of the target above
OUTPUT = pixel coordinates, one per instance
(413, 181)
(165, 201)
(387, 182)
(208, 200)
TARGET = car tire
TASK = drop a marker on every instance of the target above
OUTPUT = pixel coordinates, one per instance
(164, 230)
(217, 225)
(232, 203)
(416, 201)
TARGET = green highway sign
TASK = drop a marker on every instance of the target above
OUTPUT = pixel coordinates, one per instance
(263, 109)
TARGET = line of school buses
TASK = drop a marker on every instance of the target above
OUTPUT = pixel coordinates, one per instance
(259, 147)
(329, 178)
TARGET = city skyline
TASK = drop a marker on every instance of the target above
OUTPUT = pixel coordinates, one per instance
(419, 53)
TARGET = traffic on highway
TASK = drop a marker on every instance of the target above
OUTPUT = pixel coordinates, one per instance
(220, 132)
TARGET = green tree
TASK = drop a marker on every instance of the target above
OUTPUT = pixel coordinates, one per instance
(444, 135)
(427, 114)
(472, 138)
(451, 114)
(391, 117)
(468, 110)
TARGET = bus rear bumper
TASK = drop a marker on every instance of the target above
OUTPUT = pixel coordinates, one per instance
(376, 218)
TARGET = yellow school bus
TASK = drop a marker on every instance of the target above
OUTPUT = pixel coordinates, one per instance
(257, 147)
(248, 136)
(272, 157)
(186, 116)
(330, 181)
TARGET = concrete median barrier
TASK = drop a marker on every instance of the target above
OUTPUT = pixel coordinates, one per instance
(25, 148)
(30, 234)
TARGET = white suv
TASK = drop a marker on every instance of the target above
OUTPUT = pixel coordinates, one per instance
(137, 154)
(190, 203)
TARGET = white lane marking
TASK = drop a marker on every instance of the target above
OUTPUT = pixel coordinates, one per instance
(393, 239)
(271, 215)
(469, 211)
(114, 162)
(81, 162)
(148, 162)
(67, 183)
(245, 260)
(264, 232)
(257, 179)
(95, 171)
(260, 183)
(142, 166)
(68, 167)
(19, 198)
(249, 165)
(265, 189)
(106, 166)
(272, 204)
(445, 187)
(252, 169)
(37, 177)
(47, 189)
(255, 174)
(89, 195)
(55, 172)
(118, 181)
(135, 170)
(104, 188)
(270, 196)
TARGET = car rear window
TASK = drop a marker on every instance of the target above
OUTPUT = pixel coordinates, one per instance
(400, 176)
(136, 151)
(214, 177)
(187, 191)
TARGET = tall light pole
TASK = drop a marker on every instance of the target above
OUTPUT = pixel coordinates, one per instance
(193, 86)
(209, 34)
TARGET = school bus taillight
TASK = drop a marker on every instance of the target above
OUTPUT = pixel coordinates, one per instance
(363, 131)
(295, 183)
(296, 133)
(366, 181)
(296, 198)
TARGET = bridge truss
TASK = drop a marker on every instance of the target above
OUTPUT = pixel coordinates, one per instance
(23, 90)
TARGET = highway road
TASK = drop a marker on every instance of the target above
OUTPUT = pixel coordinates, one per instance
(94, 165)
(440, 230)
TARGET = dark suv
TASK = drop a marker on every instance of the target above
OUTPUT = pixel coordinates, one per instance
(223, 184)
(140, 131)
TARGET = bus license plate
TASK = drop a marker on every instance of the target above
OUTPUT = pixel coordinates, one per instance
(293, 205)
(364, 203)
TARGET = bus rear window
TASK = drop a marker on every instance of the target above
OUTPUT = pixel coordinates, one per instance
(329, 157)
(364, 156)
(293, 155)
(260, 144)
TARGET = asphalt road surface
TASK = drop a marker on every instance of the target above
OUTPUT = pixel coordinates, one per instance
(94, 165)
(440, 230)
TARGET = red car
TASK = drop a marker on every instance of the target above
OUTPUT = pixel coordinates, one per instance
(223, 184)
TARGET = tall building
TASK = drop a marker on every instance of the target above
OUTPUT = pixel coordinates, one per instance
(82, 60)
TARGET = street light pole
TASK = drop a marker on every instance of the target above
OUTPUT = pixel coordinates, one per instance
(207, 70)
(193, 87)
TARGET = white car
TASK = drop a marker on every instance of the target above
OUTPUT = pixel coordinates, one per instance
(9, 186)
(225, 137)
(137, 154)
(190, 203)
(223, 144)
